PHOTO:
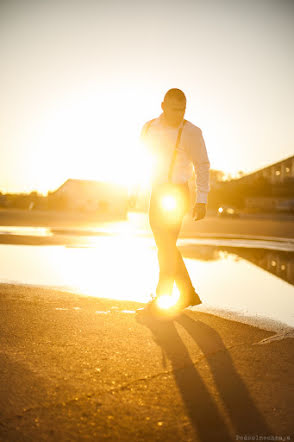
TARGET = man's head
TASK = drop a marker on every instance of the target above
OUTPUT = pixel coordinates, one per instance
(174, 107)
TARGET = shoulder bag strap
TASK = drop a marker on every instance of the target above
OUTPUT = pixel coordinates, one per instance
(172, 164)
(148, 127)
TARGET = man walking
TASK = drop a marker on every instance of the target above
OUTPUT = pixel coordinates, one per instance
(177, 146)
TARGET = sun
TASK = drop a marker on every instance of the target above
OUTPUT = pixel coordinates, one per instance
(87, 139)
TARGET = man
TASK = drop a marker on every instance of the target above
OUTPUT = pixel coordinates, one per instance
(177, 146)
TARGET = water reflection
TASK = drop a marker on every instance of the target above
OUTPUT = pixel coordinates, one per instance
(25, 231)
(124, 267)
(280, 264)
(120, 268)
(276, 262)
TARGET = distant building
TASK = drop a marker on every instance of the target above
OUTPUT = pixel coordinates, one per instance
(278, 173)
(274, 186)
(93, 196)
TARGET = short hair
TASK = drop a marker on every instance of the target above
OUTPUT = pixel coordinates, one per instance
(175, 93)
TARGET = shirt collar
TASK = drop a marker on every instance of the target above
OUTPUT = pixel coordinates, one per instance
(164, 123)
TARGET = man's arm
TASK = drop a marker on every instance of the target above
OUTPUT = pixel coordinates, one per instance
(201, 164)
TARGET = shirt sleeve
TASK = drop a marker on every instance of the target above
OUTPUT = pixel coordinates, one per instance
(144, 132)
(199, 157)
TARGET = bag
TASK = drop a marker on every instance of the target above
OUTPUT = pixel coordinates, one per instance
(173, 160)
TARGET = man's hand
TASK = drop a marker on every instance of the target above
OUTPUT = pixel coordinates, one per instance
(199, 211)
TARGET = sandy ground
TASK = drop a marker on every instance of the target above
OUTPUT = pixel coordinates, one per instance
(211, 226)
(51, 218)
(271, 228)
(76, 368)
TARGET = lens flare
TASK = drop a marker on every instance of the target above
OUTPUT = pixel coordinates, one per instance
(168, 203)
(164, 302)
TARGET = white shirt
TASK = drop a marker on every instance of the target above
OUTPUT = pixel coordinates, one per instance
(160, 140)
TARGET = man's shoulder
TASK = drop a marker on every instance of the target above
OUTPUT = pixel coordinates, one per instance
(147, 126)
(192, 128)
(150, 122)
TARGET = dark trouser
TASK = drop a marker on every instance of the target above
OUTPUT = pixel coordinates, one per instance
(166, 225)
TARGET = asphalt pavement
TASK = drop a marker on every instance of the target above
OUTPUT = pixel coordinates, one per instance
(75, 368)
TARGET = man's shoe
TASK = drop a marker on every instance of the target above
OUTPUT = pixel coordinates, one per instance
(150, 307)
(195, 299)
(191, 300)
(153, 310)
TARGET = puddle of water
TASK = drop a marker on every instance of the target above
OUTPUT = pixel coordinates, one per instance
(257, 283)
(115, 268)
(238, 285)
(287, 246)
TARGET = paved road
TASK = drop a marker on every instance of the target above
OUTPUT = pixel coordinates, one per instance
(274, 226)
(74, 233)
(75, 368)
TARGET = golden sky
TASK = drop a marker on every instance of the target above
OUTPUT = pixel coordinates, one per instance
(79, 78)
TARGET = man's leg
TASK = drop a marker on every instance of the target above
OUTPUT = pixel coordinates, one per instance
(182, 278)
(168, 261)
(171, 264)
(165, 236)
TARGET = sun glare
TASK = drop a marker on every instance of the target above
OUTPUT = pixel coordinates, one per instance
(165, 302)
(168, 203)
(132, 261)
(87, 139)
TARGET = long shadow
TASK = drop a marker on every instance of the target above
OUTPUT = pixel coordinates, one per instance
(203, 412)
(245, 416)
